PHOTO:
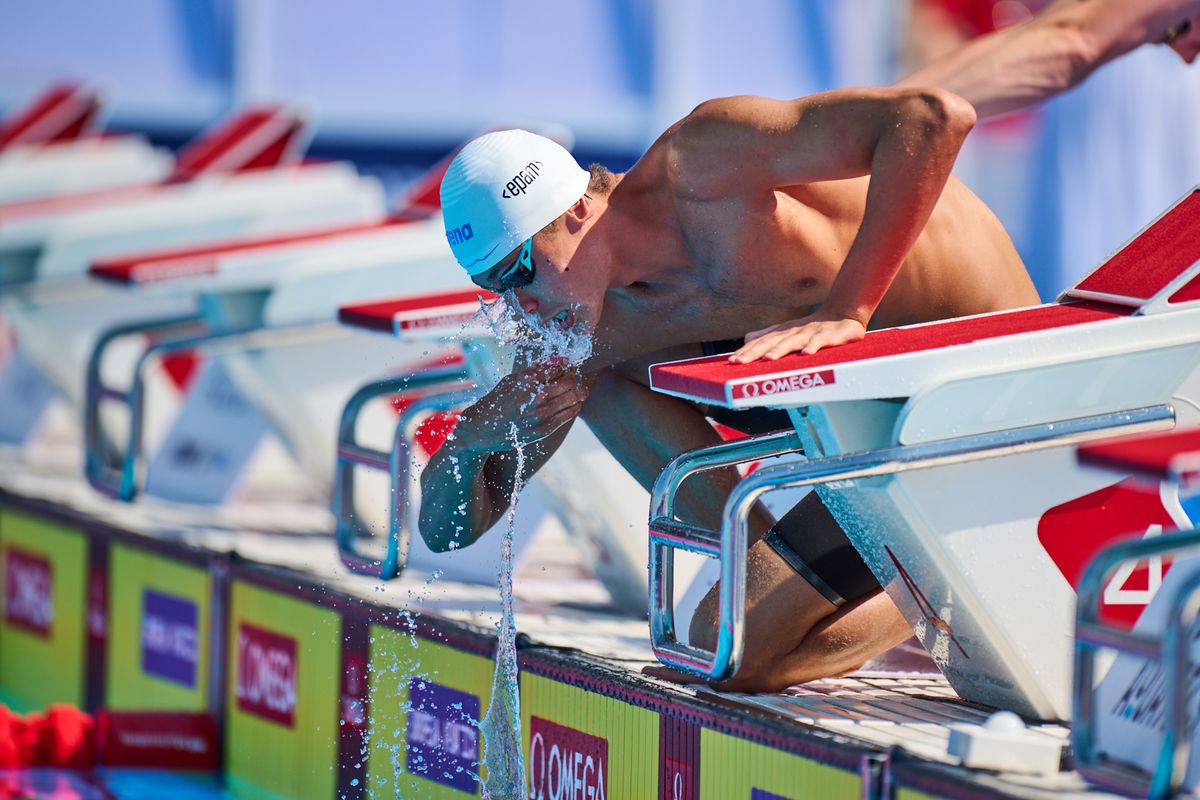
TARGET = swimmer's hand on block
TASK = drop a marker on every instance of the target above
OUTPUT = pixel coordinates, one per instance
(806, 335)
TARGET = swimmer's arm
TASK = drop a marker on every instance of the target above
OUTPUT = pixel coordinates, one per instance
(1054, 51)
(905, 139)
(468, 483)
(465, 492)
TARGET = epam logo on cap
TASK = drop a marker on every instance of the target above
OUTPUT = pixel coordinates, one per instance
(522, 180)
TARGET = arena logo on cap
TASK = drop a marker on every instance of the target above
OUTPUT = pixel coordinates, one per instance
(28, 591)
(787, 383)
(518, 183)
(169, 638)
(266, 674)
(462, 233)
(566, 764)
(443, 741)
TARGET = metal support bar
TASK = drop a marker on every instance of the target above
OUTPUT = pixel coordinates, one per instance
(667, 534)
(724, 662)
(110, 470)
(351, 454)
(117, 472)
(1170, 652)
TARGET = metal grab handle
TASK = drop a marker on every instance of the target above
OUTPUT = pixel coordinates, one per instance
(109, 469)
(724, 662)
(1170, 651)
(351, 454)
(120, 473)
(668, 534)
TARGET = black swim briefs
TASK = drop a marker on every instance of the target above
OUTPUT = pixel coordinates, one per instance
(807, 537)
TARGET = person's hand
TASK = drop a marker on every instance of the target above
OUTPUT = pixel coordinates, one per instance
(525, 406)
(806, 335)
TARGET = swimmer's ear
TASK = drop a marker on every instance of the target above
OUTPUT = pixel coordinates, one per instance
(583, 209)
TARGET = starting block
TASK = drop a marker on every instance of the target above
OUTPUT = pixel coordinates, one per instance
(222, 186)
(62, 113)
(982, 561)
(241, 177)
(1134, 725)
(255, 299)
(599, 505)
(51, 147)
(444, 386)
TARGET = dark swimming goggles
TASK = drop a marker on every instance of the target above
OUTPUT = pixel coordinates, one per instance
(521, 273)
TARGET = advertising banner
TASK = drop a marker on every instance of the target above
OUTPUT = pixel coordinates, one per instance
(160, 620)
(735, 768)
(43, 567)
(584, 745)
(426, 700)
(284, 682)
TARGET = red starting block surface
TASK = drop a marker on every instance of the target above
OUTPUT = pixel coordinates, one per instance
(715, 379)
(415, 311)
(254, 139)
(1173, 456)
(187, 262)
(1151, 262)
(1157, 271)
(60, 114)
(258, 138)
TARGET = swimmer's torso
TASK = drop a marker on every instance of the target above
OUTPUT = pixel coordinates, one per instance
(748, 262)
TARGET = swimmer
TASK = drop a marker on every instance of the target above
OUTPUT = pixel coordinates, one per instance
(1058, 49)
(762, 226)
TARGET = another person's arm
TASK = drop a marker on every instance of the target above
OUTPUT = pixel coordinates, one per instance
(905, 139)
(468, 483)
(1050, 53)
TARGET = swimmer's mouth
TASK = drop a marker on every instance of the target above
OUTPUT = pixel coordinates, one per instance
(562, 320)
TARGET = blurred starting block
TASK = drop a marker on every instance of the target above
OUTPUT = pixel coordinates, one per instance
(1135, 732)
(981, 560)
(52, 146)
(600, 507)
(267, 307)
(224, 184)
(62, 113)
(242, 177)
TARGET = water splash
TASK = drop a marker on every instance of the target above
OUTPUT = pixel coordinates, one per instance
(501, 725)
(539, 341)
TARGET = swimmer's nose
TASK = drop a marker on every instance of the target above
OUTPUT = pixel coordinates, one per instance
(528, 302)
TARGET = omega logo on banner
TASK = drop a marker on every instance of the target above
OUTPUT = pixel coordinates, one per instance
(28, 591)
(266, 674)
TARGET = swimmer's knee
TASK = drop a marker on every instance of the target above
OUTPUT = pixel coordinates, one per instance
(702, 632)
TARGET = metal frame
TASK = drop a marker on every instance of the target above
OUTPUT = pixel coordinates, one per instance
(352, 455)
(1169, 650)
(668, 534)
(459, 385)
(108, 469)
(120, 472)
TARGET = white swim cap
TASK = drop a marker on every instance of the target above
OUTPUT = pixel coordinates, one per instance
(501, 189)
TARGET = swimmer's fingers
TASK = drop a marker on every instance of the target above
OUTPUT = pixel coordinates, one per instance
(764, 344)
(830, 334)
(799, 337)
(551, 413)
